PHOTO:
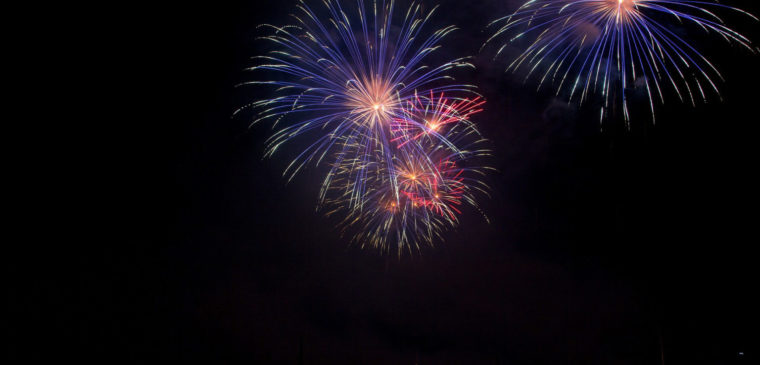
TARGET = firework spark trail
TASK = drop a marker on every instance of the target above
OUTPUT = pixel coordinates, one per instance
(358, 88)
(634, 42)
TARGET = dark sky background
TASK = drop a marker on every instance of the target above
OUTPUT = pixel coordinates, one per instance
(608, 246)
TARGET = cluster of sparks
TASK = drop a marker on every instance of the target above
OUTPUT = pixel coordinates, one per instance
(396, 135)
(592, 45)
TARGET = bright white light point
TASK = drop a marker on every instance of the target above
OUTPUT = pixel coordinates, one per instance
(376, 106)
(627, 4)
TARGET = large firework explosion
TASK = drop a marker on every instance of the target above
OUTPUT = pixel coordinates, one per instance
(592, 45)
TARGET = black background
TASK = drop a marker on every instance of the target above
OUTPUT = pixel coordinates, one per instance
(606, 245)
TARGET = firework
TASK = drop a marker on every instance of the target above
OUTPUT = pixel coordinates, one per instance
(415, 197)
(341, 81)
(428, 116)
(589, 45)
(415, 209)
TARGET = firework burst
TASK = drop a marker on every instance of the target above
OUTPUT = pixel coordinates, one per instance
(589, 45)
(419, 195)
(347, 77)
(428, 116)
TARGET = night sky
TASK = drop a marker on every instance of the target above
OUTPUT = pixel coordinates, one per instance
(606, 245)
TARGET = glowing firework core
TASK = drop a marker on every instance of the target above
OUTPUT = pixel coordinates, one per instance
(623, 7)
(378, 107)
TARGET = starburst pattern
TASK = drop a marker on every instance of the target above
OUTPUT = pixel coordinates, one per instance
(592, 45)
